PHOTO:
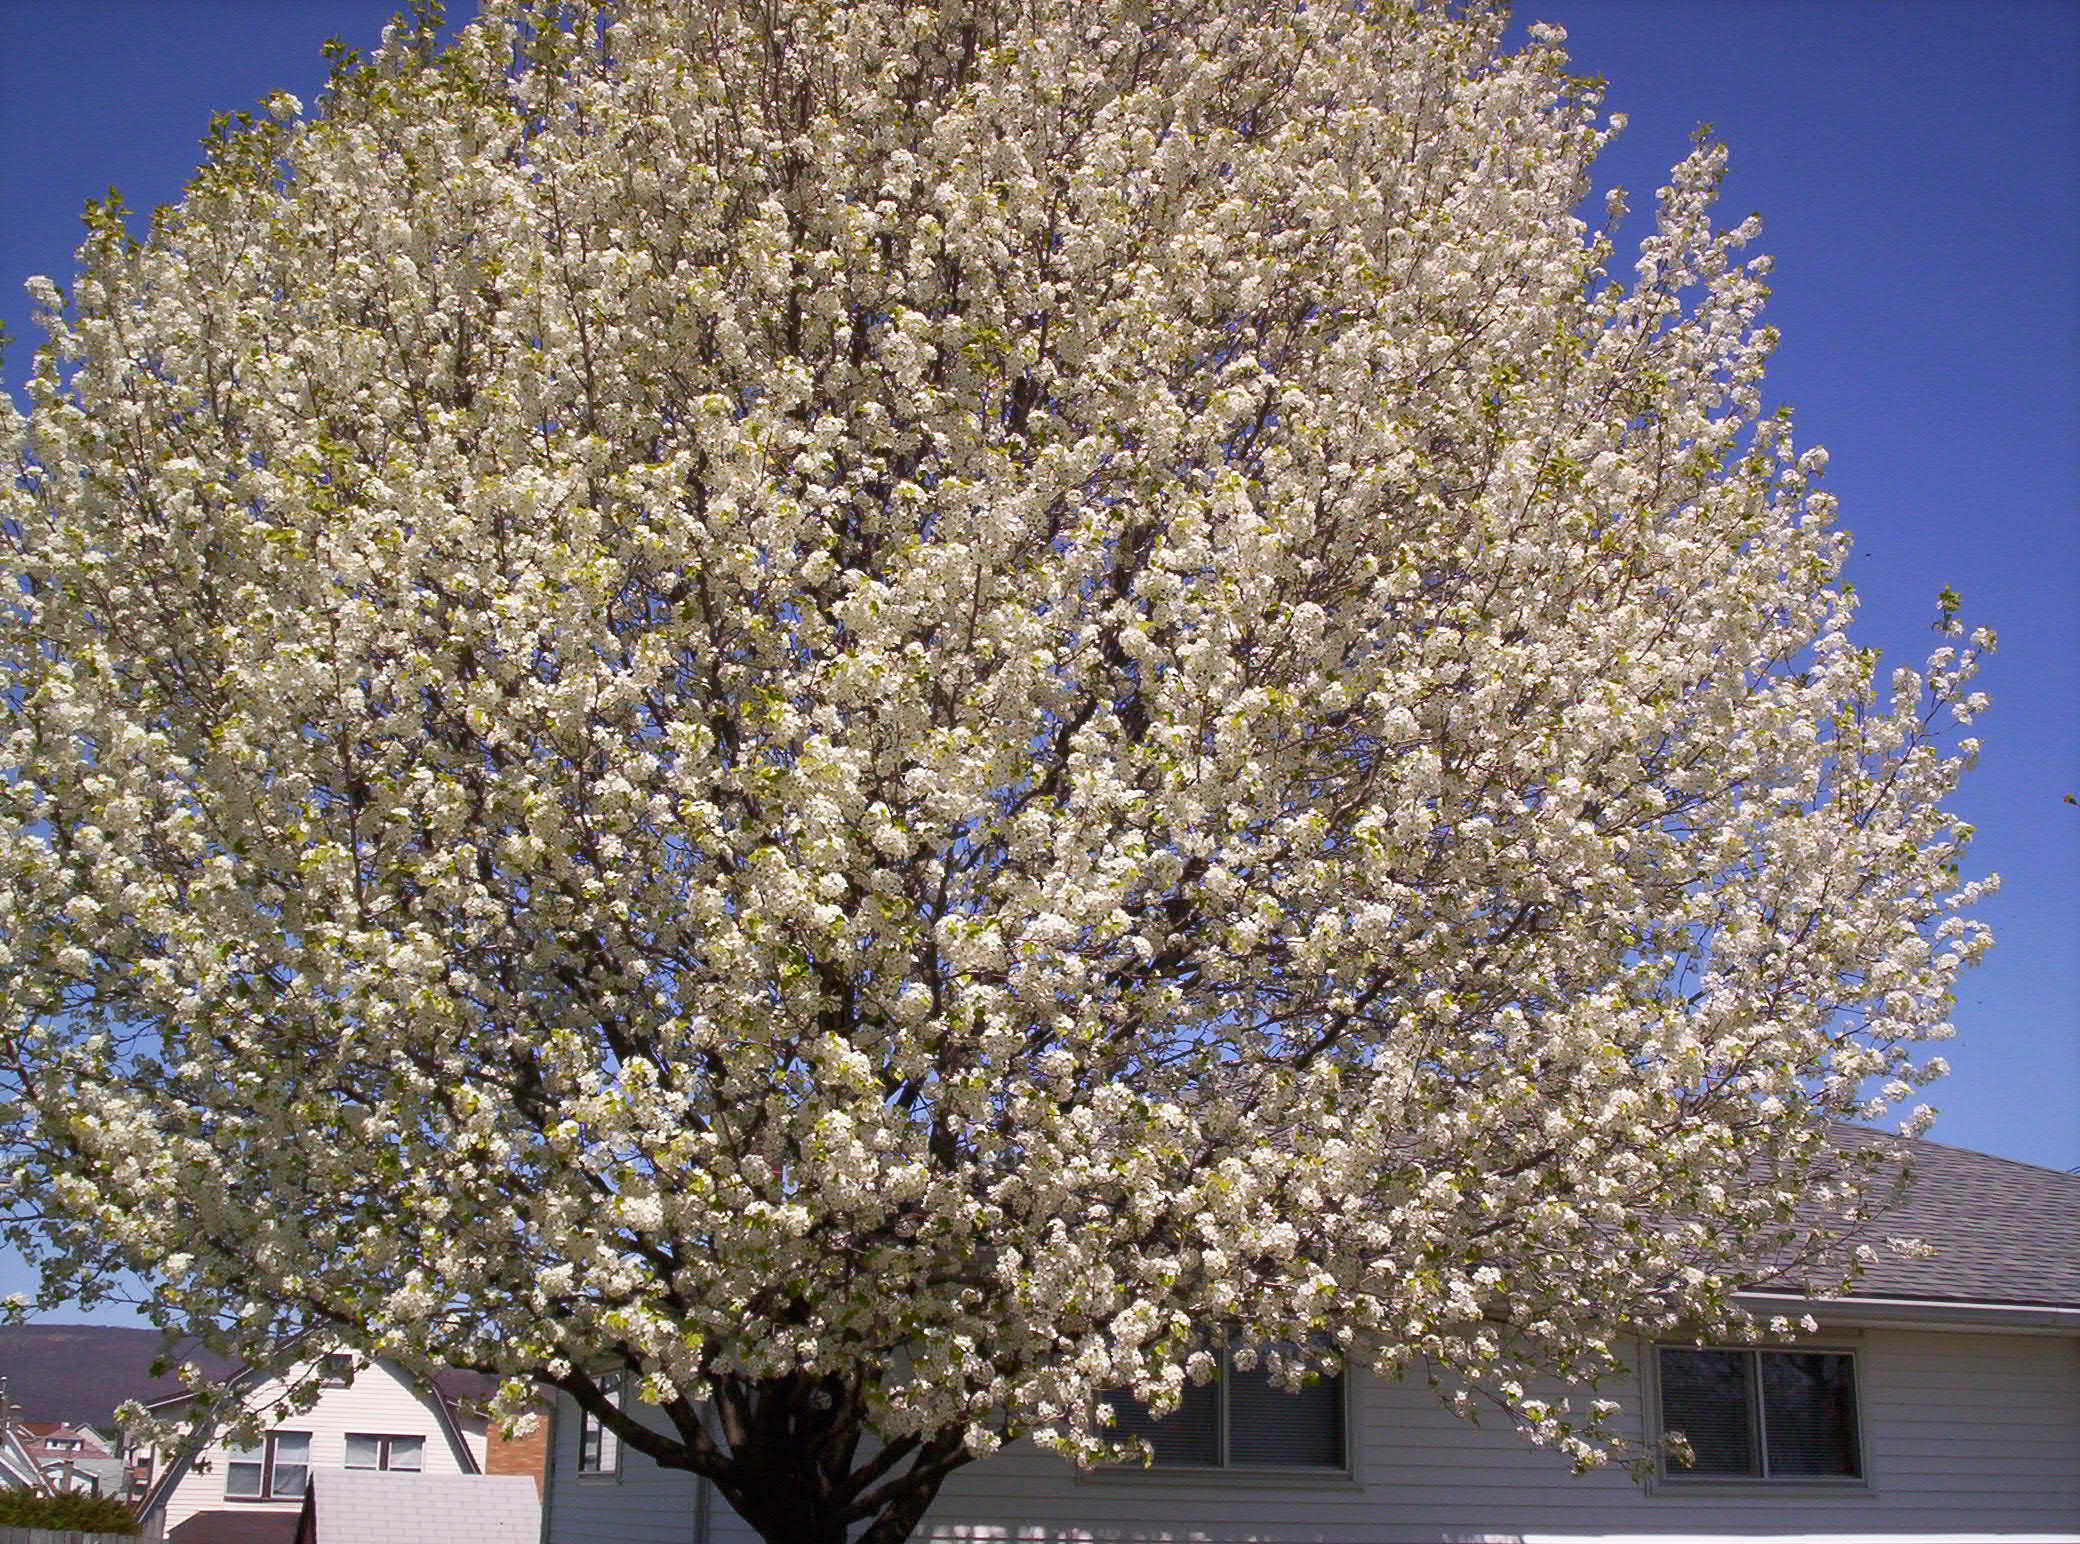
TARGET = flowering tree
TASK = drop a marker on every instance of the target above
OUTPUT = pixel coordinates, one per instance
(866, 710)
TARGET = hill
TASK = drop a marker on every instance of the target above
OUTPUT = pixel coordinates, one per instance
(81, 1372)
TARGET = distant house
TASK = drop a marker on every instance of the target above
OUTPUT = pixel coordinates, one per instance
(72, 1457)
(370, 1418)
(1940, 1402)
(18, 1469)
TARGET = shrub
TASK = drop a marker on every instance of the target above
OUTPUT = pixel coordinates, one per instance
(90, 1514)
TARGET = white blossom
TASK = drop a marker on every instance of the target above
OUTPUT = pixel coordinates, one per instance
(897, 707)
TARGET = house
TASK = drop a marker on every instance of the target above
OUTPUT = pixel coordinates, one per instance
(371, 1417)
(76, 1375)
(1940, 1402)
(19, 1470)
(73, 1457)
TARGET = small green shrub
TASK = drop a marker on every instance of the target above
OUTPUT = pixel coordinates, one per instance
(88, 1514)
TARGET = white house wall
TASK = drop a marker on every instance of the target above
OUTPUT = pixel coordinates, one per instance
(1966, 1437)
(380, 1402)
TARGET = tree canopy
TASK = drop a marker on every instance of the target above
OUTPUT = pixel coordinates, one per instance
(875, 711)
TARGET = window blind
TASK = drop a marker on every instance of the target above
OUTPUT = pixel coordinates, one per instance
(1189, 1435)
(1705, 1396)
(1271, 1425)
(1809, 1413)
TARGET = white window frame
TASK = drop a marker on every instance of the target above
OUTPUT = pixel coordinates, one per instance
(267, 1467)
(607, 1466)
(1680, 1477)
(1225, 1469)
(382, 1440)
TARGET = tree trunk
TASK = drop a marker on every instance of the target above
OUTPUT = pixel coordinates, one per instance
(784, 1516)
(783, 1511)
(794, 1471)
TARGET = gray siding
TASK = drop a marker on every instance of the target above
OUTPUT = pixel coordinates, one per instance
(641, 1504)
(1966, 1436)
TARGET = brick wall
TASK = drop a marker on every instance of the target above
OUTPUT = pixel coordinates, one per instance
(527, 1454)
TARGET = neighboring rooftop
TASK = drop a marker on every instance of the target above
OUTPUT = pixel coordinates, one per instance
(43, 1433)
(357, 1506)
(2002, 1231)
(235, 1528)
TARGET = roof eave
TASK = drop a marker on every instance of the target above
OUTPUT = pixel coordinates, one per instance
(1923, 1313)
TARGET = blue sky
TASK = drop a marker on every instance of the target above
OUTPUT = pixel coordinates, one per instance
(1917, 165)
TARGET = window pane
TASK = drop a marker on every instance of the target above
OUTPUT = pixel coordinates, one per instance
(1809, 1413)
(363, 1452)
(1268, 1425)
(1191, 1434)
(242, 1477)
(1705, 1396)
(407, 1452)
(291, 1469)
(598, 1448)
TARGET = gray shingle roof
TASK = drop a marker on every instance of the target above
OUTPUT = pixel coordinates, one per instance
(2002, 1231)
(373, 1506)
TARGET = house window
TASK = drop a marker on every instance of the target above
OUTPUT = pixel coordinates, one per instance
(278, 1470)
(336, 1369)
(1760, 1414)
(1240, 1419)
(599, 1450)
(365, 1451)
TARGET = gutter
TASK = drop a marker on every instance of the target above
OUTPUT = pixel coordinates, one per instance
(1922, 1313)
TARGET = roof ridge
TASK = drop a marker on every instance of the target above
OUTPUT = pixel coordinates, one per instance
(1969, 1152)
